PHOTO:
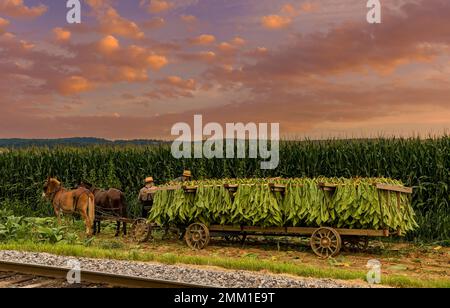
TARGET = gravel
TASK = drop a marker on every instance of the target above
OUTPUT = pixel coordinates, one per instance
(181, 273)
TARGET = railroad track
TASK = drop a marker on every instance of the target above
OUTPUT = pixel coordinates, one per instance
(20, 275)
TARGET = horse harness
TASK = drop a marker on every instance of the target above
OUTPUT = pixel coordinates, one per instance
(105, 212)
(76, 198)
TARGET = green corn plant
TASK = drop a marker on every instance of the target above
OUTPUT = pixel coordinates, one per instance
(420, 163)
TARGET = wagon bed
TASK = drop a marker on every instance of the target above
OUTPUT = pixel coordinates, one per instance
(325, 241)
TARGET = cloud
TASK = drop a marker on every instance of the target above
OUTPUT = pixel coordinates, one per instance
(308, 7)
(293, 11)
(343, 76)
(16, 8)
(188, 19)
(158, 6)
(74, 85)
(204, 39)
(108, 44)
(75, 67)
(153, 23)
(238, 41)
(275, 22)
(226, 47)
(286, 15)
(172, 87)
(257, 52)
(202, 56)
(179, 82)
(157, 61)
(289, 10)
(61, 34)
(3, 24)
(111, 22)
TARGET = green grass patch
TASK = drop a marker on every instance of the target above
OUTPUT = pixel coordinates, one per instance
(243, 263)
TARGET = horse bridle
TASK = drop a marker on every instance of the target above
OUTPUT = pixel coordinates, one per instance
(53, 193)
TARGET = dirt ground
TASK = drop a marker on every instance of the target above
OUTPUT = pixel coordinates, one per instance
(397, 258)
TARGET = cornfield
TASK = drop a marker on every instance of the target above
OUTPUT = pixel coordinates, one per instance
(422, 164)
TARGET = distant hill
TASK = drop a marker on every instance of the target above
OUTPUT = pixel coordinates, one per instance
(78, 141)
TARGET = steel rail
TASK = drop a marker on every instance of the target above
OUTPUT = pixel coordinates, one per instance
(93, 276)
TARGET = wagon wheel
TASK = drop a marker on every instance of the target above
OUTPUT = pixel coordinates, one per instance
(141, 231)
(326, 242)
(197, 236)
(355, 243)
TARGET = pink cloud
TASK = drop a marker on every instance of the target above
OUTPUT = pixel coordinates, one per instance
(16, 8)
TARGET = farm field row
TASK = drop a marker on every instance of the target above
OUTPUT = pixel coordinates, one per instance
(403, 264)
(419, 163)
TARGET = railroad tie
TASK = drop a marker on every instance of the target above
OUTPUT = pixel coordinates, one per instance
(41, 284)
(6, 284)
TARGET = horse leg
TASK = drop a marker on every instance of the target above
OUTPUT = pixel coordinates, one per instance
(124, 228)
(117, 229)
(95, 227)
(99, 226)
(58, 216)
(87, 222)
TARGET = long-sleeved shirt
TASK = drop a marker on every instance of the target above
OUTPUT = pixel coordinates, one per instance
(146, 193)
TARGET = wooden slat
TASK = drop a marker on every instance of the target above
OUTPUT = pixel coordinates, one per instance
(356, 232)
(301, 230)
(328, 187)
(168, 187)
(362, 232)
(190, 187)
(401, 189)
(225, 228)
(265, 230)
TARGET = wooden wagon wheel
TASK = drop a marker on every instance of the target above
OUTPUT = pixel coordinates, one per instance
(141, 230)
(355, 243)
(326, 242)
(197, 236)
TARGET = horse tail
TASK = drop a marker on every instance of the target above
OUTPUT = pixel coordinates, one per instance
(91, 208)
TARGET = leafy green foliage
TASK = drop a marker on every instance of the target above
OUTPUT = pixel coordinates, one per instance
(13, 228)
(354, 204)
(422, 164)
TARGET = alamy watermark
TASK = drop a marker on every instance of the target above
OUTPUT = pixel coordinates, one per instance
(230, 142)
(74, 14)
(374, 273)
(74, 275)
(374, 14)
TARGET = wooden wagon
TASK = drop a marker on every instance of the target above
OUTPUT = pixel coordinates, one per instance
(325, 241)
(140, 227)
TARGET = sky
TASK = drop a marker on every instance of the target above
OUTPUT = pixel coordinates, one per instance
(132, 69)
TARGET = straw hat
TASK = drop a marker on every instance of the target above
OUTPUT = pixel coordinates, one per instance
(149, 180)
(187, 173)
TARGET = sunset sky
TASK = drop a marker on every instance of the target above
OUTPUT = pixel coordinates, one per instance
(134, 68)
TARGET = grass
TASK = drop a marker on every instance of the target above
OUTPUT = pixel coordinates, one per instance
(245, 263)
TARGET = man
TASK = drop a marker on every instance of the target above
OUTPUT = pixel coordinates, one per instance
(146, 196)
(186, 177)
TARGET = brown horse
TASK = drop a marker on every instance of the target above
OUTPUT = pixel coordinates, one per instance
(109, 203)
(65, 201)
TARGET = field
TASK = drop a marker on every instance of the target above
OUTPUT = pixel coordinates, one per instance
(403, 265)
(422, 164)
